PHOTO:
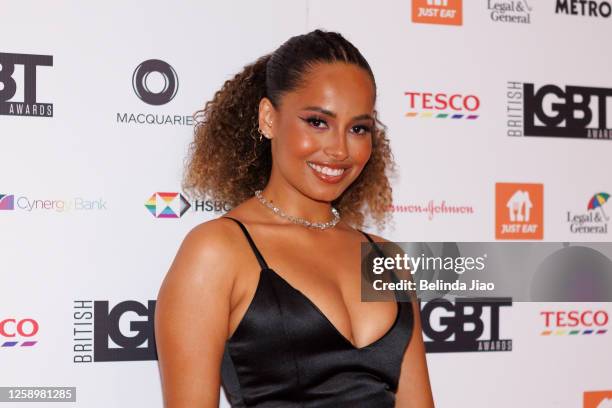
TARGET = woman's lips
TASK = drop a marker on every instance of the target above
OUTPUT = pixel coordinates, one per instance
(328, 173)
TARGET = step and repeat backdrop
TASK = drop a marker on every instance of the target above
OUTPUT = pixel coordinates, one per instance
(497, 112)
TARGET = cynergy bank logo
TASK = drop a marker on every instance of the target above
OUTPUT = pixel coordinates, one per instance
(7, 202)
(442, 105)
(519, 211)
(23, 83)
(553, 111)
(447, 12)
(465, 325)
(29, 204)
(156, 83)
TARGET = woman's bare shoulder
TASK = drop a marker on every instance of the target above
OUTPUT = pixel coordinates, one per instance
(213, 243)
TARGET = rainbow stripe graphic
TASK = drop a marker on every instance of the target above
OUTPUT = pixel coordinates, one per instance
(563, 332)
(440, 115)
(29, 343)
(165, 201)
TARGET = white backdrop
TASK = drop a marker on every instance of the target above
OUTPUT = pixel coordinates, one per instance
(112, 248)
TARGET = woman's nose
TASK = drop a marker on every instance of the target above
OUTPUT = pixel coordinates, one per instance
(337, 147)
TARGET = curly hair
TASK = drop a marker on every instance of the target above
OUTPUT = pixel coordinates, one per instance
(227, 161)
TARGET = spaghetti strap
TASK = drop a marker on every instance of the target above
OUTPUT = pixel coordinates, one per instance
(258, 255)
(401, 296)
(374, 244)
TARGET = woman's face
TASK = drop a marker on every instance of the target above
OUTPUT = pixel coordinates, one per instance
(322, 132)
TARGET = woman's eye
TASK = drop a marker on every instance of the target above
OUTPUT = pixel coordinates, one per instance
(360, 130)
(316, 122)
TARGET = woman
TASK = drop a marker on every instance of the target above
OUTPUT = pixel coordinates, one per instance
(265, 300)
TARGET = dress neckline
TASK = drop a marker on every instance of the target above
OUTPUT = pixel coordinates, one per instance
(265, 268)
(339, 334)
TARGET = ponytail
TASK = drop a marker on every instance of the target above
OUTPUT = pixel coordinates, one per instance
(226, 151)
(228, 162)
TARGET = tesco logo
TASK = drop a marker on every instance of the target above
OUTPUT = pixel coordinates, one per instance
(575, 318)
(23, 328)
(442, 101)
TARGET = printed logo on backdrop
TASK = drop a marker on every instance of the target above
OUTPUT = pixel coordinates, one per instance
(597, 399)
(155, 83)
(175, 205)
(519, 211)
(587, 322)
(123, 332)
(432, 209)
(587, 8)
(18, 332)
(556, 111)
(29, 204)
(7, 202)
(448, 12)
(510, 11)
(467, 324)
(441, 105)
(18, 80)
(593, 219)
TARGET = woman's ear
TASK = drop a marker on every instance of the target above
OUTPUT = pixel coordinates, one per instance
(266, 117)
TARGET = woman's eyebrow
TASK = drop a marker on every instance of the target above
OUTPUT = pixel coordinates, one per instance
(333, 115)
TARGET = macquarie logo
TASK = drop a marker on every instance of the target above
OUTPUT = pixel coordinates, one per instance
(175, 205)
(519, 211)
(7, 202)
(142, 84)
(447, 12)
(597, 399)
(467, 324)
(120, 332)
(442, 105)
(155, 83)
(592, 221)
(18, 79)
(587, 8)
(557, 111)
(574, 322)
(18, 332)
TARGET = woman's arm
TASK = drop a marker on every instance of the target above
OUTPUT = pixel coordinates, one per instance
(414, 390)
(191, 318)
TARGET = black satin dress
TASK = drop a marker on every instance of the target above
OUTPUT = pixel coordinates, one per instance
(286, 353)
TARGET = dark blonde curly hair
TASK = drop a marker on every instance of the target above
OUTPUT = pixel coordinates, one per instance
(227, 161)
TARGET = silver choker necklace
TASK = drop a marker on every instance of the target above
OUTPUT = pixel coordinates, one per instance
(298, 220)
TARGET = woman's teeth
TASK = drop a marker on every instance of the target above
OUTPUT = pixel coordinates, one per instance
(326, 170)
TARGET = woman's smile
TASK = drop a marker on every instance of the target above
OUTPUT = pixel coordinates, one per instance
(329, 173)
